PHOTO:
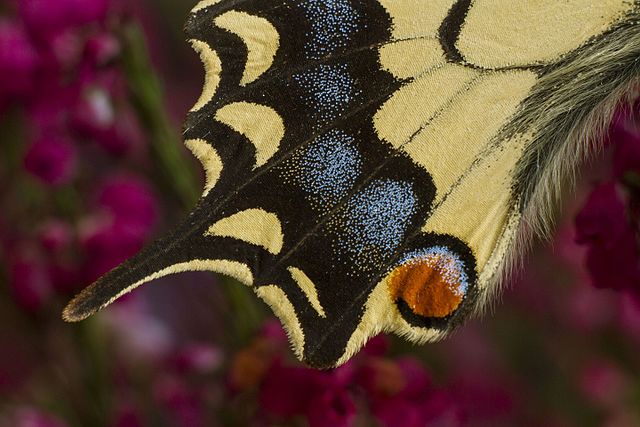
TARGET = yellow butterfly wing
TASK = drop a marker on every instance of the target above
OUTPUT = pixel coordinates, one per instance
(373, 165)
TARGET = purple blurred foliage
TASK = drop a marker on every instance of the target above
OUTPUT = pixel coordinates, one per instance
(52, 160)
(19, 62)
(32, 417)
(609, 221)
(30, 283)
(181, 402)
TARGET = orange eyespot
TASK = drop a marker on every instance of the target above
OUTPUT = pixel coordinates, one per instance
(432, 284)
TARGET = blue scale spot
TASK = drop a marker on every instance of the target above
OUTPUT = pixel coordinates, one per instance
(329, 88)
(376, 220)
(449, 263)
(330, 166)
(332, 24)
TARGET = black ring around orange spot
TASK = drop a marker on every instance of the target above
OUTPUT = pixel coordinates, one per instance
(431, 295)
(425, 289)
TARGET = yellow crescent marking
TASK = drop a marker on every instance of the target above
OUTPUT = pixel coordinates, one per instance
(260, 124)
(255, 226)
(453, 140)
(501, 33)
(210, 160)
(235, 269)
(204, 4)
(399, 58)
(212, 67)
(260, 36)
(414, 105)
(416, 18)
(309, 289)
(284, 310)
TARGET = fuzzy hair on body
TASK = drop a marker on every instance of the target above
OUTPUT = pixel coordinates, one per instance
(568, 114)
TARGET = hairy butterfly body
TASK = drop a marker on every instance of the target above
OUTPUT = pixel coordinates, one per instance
(372, 164)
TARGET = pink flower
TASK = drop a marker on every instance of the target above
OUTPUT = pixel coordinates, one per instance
(381, 378)
(46, 18)
(398, 412)
(436, 408)
(52, 160)
(198, 358)
(629, 315)
(483, 395)
(150, 342)
(417, 380)
(604, 383)
(626, 138)
(94, 112)
(131, 203)
(32, 417)
(182, 403)
(56, 236)
(441, 409)
(376, 346)
(603, 225)
(124, 136)
(126, 213)
(322, 397)
(273, 332)
(128, 416)
(102, 49)
(332, 407)
(18, 61)
(287, 391)
(105, 243)
(603, 219)
(30, 283)
(49, 111)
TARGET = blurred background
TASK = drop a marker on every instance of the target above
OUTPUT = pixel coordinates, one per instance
(92, 96)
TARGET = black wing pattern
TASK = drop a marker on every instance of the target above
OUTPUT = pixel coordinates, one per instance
(361, 164)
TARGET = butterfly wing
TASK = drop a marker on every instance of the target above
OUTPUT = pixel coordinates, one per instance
(369, 163)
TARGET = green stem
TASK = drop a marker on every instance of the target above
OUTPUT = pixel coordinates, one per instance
(147, 98)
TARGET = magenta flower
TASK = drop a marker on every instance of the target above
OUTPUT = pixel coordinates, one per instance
(30, 283)
(127, 211)
(124, 136)
(56, 236)
(32, 417)
(18, 61)
(603, 383)
(102, 49)
(398, 412)
(105, 243)
(331, 407)
(603, 225)
(405, 395)
(626, 138)
(287, 391)
(629, 315)
(127, 416)
(442, 409)
(481, 396)
(49, 112)
(47, 18)
(197, 358)
(183, 404)
(131, 203)
(52, 160)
